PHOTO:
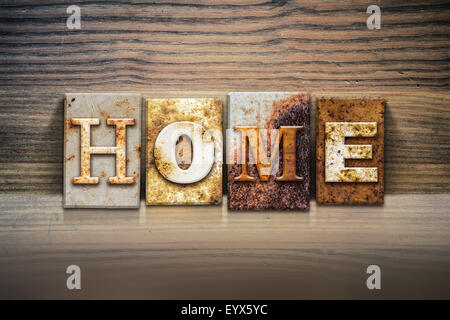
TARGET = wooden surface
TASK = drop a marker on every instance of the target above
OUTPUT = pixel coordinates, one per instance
(323, 47)
(207, 252)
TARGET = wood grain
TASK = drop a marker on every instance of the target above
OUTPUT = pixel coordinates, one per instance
(153, 47)
(210, 253)
(318, 46)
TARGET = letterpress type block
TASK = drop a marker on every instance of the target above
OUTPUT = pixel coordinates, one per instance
(350, 151)
(184, 151)
(102, 146)
(268, 150)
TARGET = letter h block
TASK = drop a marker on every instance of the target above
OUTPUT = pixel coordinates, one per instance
(102, 146)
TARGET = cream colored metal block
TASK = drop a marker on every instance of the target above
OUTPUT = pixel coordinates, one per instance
(102, 147)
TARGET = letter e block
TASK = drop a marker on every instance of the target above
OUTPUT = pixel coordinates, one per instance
(350, 151)
(102, 147)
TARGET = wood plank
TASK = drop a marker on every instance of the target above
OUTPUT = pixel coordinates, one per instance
(210, 253)
(417, 142)
(323, 47)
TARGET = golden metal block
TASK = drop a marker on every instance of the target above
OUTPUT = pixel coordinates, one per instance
(167, 156)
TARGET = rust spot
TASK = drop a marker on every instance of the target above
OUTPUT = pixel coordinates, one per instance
(103, 114)
(216, 200)
(165, 167)
(165, 110)
(122, 103)
(68, 126)
(138, 149)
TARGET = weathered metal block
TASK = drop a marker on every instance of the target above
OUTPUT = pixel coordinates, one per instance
(102, 150)
(184, 151)
(268, 168)
(350, 151)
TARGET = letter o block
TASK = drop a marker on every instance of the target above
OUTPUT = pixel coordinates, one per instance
(194, 181)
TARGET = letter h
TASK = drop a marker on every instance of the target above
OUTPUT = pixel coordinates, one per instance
(119, 150)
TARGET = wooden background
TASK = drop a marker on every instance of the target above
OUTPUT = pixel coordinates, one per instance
(316, 46)
(323, 47)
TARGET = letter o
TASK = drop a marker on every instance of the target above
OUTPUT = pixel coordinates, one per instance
(202, 155)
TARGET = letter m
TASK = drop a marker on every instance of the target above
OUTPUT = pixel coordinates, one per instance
(255, 145)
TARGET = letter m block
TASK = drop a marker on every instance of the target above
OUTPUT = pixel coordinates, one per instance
(268, 151)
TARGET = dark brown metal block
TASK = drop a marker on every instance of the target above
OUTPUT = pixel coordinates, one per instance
(275, 185)
(350, 151)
